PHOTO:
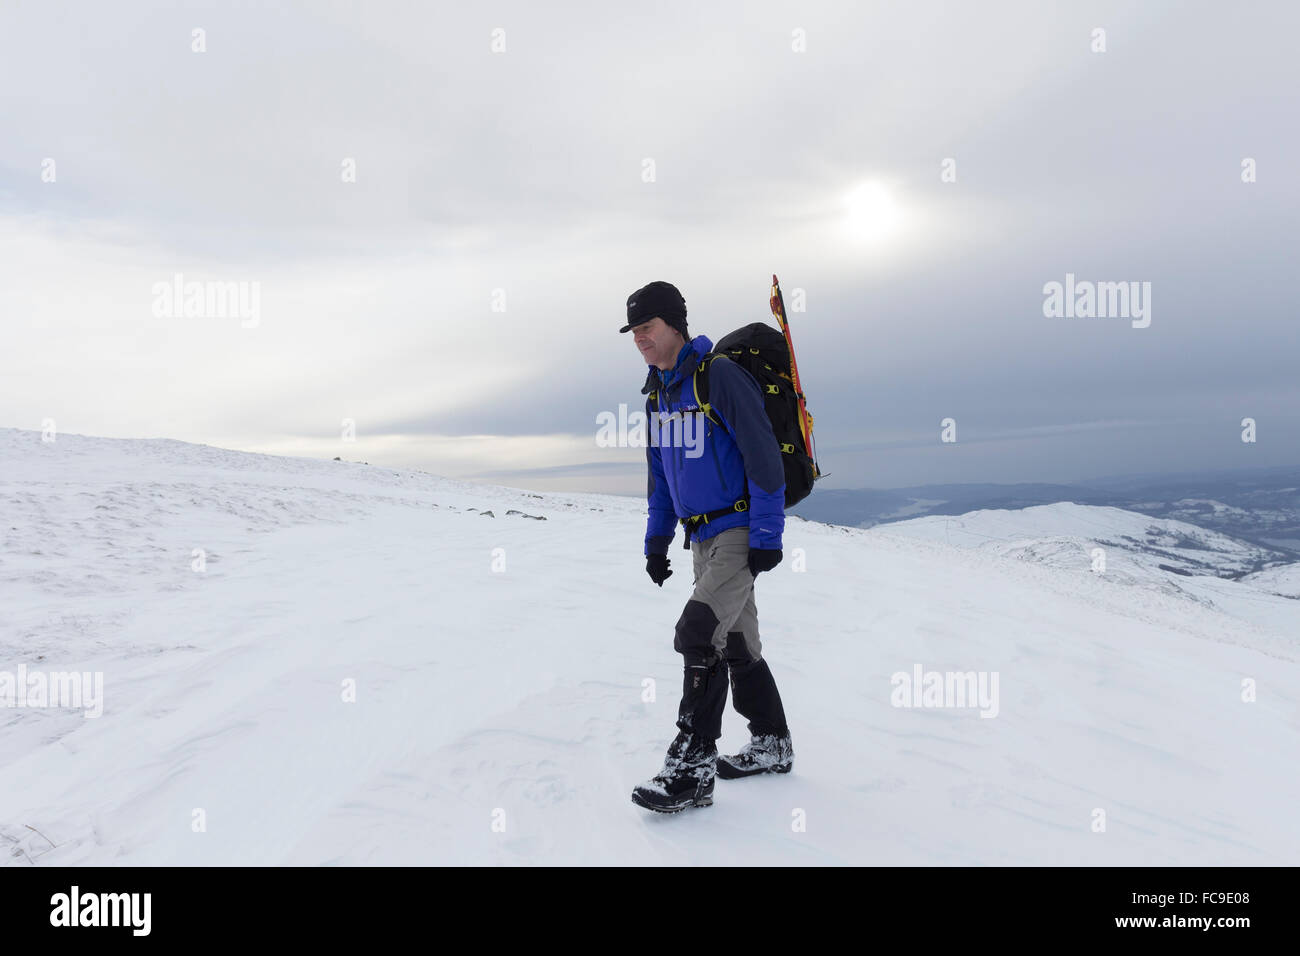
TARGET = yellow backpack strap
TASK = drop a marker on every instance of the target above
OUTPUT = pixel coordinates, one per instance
(705, 407)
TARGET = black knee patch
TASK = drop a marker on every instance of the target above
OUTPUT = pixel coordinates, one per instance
(694, 634)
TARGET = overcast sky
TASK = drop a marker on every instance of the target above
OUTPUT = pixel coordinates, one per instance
(518, 175)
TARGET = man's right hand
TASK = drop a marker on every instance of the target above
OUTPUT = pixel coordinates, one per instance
(656, 565)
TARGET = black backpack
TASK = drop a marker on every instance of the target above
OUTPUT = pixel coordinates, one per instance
(762, 351)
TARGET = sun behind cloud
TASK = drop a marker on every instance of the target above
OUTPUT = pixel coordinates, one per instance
(872, 213)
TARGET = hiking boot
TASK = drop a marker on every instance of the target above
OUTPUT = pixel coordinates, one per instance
(686, 779)
(765, 753)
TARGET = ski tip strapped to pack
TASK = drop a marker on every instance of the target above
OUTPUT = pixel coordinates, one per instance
(777, 303)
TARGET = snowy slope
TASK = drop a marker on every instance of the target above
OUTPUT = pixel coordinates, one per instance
(1284, 580)
(1171, 556)
(514, 695)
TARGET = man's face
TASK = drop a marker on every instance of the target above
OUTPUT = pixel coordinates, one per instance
(658, 342)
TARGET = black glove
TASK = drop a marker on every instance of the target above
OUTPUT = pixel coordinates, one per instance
(763, 559)
(656, 565)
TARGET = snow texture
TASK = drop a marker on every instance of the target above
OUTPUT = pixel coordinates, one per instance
(500, 713)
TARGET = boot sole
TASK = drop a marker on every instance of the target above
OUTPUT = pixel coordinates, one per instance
(728, 772)
(686, 804)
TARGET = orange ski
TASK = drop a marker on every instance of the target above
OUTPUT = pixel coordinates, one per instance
(805, 423)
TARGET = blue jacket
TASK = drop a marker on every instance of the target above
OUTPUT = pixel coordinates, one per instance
(696, 466)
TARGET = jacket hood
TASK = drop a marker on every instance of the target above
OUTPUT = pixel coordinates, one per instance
(691, 354)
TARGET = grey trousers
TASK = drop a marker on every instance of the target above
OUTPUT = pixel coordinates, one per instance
(721, 618)
(717, 636)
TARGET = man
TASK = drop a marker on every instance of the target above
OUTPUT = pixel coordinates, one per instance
(702, 460)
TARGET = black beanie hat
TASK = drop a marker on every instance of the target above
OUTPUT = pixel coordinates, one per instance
(657, 299)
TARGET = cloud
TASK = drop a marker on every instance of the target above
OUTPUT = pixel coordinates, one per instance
(517, 178)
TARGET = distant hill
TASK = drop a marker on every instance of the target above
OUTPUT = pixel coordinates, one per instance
(1260, 506)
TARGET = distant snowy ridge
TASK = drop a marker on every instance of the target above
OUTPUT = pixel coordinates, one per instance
(1154, 553)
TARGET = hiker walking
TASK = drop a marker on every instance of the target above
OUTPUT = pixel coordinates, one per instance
(716, 466)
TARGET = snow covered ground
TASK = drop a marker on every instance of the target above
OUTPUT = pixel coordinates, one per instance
(500, 666)
(1161, 554)
(1284, 580)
